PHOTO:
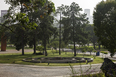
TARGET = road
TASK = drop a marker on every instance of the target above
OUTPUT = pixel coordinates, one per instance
(17, 70)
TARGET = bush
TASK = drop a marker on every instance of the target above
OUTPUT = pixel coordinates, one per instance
(94, 51)
(71, 47)
(90, 49)
(103, 52)
(40, 48)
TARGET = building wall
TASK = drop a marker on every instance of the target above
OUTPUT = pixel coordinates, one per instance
(0, 19)
(87, 11)
(3, 12)
(90, 18)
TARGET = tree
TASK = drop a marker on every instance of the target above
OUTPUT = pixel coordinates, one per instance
(55, 45)
(104, 24)
(73, 24)
(83, 51)
(47, 30)
(18, 23)
(36, 16)
(90, 49)
(91, 37)
(95, 54)
(40, 48)
(30, 8)
(20, 29)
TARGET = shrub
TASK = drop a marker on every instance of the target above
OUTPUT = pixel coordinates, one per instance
(83, 51)
(90, 49)
(40, 48)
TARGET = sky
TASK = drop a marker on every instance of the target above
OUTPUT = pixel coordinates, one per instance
(84, 4)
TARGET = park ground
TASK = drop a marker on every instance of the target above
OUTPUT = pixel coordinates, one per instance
(9, 68)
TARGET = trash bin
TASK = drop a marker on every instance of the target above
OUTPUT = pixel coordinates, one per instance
(97, 53)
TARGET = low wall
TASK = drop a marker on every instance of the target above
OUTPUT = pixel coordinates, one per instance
(58, 60)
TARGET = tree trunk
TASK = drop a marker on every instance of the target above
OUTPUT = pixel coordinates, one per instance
(3, 43)
(90, 52)
(88, 44)
(22, 43)
(45, 47)
(22, 33)
(94, 45)
(34, 45)
(99, 47)
(22, 49)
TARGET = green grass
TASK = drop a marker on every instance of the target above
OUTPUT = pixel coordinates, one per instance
(16, 58)
(92, 75)
(9, 47)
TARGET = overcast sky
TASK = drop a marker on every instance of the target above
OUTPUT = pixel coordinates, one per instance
(84, 4)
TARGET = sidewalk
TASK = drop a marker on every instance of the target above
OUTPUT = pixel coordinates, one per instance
(15, 51)
(18, 70)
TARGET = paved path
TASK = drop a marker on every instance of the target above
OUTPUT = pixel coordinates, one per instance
(15, 51)
(16, 70)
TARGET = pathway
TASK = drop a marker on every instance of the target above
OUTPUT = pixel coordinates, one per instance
(17, 70)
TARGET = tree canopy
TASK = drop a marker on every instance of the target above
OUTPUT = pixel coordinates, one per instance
(24, 18)
(73, 24)
(105, 24)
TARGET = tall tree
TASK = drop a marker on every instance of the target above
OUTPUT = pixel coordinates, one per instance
(38, 16)
(104, 24)
(34, 15)
(47, 30)
(92, 37)
(13, 20)
(74, 24)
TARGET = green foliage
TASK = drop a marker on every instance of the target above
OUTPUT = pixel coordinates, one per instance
(91, 34)
(83, 51)
(85, 47)
(94, 51)
(72, 21)
(71, 47)
(90, 49)
(54, 44)
(40, 48)
(104, 24)
(104, 52)
(28, 23)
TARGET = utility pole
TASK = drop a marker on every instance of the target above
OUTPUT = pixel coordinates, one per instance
(60, 35)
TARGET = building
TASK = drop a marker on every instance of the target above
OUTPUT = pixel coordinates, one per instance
(87, 11)
(0, 19)
(90, 18)
(3, 12)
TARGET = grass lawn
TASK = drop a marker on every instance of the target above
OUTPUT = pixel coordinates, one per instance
(16, 58)
(92, 75)
(8, 47)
